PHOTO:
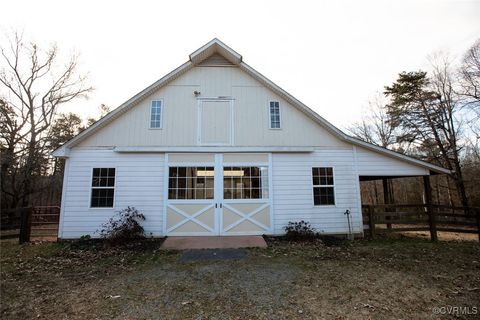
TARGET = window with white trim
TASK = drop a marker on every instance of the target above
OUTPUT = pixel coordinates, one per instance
(245, 182)
(156, 114)
(323, 186)
(103, 188)
(190, 183)
(274, 115)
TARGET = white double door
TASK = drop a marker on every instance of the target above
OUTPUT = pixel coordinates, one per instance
(220, 199)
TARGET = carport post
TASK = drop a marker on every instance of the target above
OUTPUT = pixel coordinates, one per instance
(428, 206)
(387, 200)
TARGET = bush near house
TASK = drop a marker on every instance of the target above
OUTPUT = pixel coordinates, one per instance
(123, 227)
(301, 230)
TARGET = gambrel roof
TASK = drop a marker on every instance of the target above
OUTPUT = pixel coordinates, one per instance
(215, 50)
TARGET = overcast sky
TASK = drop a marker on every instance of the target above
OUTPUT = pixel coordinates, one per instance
(331, 55)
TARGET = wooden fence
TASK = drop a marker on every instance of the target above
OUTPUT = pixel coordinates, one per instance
(32, 223)
(421, 217)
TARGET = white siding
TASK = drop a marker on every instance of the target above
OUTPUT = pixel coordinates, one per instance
(293, 191)
(372, 163)
(138, 183)
(180, 112)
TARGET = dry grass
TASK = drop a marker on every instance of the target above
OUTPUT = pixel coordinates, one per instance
(387, 278)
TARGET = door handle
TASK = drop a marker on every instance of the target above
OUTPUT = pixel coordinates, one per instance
(215, 205)
(220, 205)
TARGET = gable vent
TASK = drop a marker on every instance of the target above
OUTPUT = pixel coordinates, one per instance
(215, 60)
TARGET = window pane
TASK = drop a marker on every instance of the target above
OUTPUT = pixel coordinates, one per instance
(190, 183)
(155, 114)
(182, 171)
(323, 196)
(245, 182)
(181, 194)
(173, 171)
(274, 115)
(323, 176)
(182, 182)
(102, 198)
(208, 193)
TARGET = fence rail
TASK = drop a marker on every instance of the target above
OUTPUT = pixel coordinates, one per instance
(422, 217)
(30, 223)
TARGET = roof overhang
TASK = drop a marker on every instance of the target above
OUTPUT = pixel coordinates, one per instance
(399, 156)
(212, 47)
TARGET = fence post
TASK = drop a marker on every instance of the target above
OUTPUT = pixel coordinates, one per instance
(428, 204)
(477, 212)
(25, 217)
(371, 222)
(387, 200)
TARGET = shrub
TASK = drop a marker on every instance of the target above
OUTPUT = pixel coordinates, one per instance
(85, 237)
(299, 231)
(124, 226)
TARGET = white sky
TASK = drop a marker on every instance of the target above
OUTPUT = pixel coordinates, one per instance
(331, 55)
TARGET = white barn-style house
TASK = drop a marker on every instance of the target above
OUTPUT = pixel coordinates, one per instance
(215, 148)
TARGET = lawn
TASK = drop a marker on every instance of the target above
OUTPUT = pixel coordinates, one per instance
(386, 278)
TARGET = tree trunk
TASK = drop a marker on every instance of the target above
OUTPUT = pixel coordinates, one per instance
(460, 183)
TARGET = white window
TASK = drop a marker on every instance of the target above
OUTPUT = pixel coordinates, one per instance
(274, 115)
(245, 182)
(103, 187)
(190, 183)
(156, 114)
(323, 186)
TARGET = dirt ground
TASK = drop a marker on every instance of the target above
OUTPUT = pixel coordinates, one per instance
(382, 279)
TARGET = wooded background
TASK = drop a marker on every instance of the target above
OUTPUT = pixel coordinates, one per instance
(433, 116)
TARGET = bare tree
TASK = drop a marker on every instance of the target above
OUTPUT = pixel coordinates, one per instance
(103, 111)
(34, 85)
(374, 126)
(448, 121)
(376, 129)
(470, 77)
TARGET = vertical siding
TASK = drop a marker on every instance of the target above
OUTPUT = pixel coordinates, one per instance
(180, 112)
(293, 191)
(139, 183)
(372, 163)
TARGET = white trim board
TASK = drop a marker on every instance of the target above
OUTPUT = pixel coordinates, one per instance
(213, 149)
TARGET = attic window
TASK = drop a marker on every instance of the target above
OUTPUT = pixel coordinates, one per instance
(156, 114)
(274, 115)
